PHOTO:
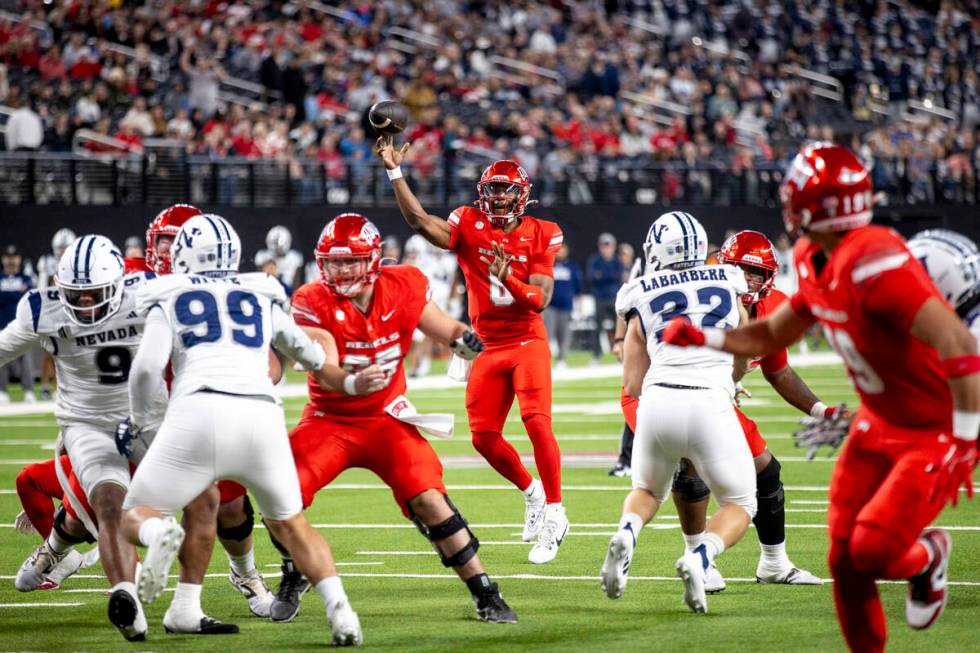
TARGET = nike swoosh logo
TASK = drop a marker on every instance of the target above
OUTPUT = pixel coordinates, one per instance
(384, 318)
(524, 240)
(524, 342)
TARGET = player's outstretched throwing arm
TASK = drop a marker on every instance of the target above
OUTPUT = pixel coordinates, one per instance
(433, 228)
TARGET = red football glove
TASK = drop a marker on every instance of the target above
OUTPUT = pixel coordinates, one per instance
(954, 468)
(682, 333)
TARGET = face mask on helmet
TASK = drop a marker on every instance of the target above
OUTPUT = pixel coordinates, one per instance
(347, 274)
(760, 282)
(88, 306)
(500, 201)
(160, 261)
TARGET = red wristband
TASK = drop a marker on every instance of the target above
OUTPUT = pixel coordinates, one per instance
(961, 366)
(525, 293)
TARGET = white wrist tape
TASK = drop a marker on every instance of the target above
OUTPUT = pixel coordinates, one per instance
(394, 173)
(966, 425)
(818, 409)
(714, 338)
(349, 384)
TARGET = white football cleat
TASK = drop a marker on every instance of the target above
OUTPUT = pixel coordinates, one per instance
(927, 595)
(533, 511)
(616, 568)
(786, 576)
(344, 624)
(91, 556)
(553, 533)
(252, 586)
(160, 554)
(691, 571)
(714, 582)
(69, 565)
(36, 569)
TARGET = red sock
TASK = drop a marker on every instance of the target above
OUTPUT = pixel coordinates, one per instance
(503, 457)
(35, 500)
(547, 457)
(909, 564)
(883, 555)
(862, 621)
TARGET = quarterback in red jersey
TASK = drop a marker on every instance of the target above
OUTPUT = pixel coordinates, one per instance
(364, 316)
(754, 254)
(913, 441)
(507, 259)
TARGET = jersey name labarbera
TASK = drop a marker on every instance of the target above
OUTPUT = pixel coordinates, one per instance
(497, 317)
(866, 296)
(380, 337)
(707, 295)
(92, 362)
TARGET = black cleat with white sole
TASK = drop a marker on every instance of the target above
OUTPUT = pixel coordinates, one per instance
(208, 626)
(491, 607)
(292, 587)
(123, 613)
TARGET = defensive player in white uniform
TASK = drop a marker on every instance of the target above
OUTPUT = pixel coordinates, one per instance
(439, 267)
(223, 420)
(953, 262)
(289, 262)
(685, 408)
(91, 327)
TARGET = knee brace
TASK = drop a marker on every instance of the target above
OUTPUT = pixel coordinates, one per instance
(241, 532)
(59, 527)
(444, 529)
(769, 487)
(690, 489)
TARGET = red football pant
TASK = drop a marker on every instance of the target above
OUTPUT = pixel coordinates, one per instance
(37, 487)
(628, 405)
(324, 446)
(498, 374)
(757, 443)
(230, 490)
(878, 508)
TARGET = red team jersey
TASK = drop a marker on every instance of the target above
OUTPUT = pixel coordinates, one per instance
(866, 298)
(381, 337)
(496, 317)
(135, 264)
(777, 360)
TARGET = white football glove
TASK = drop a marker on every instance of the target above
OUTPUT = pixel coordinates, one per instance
(23, 524)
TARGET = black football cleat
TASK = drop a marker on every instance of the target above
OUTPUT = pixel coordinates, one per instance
(126, 615)
(292, 587)
(491, 607)
(208, 626)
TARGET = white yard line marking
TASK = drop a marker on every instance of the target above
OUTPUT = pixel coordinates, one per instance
(814, 502)
(41, 605)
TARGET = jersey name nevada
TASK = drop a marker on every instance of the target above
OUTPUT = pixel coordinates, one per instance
(221, 329)
(92, 362)
(708, 296)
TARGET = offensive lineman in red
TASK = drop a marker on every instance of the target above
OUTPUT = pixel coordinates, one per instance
(507, 259)
(913, 441)
(364, 316)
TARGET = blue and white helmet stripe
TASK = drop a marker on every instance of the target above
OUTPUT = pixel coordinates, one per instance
(92, 266)
(675, 238)
(207, 244)
(952, 261)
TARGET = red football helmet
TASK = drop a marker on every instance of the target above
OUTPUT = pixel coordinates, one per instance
(167, 223)
(349, 254)
(827, 188)
(504, 189)
(754, 253)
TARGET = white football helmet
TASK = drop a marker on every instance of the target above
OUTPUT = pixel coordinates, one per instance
(90, 280)
(416, 246)
(279, 240)
(61, 240)
(953, 262)
(675, 239)
(208, 245)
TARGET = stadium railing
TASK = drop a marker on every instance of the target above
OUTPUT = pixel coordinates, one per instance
(105, 173)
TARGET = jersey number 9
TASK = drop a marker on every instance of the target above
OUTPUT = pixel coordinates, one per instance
(198, 309)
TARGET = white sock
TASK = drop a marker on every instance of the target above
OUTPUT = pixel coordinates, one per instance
(243, 564)
(692, 541)
(125, 585)
(634, 522)
(149, 529)
(774, 555)
(714, 546)
(534, 488)
(331, 590)
(57, 544)
(187, 599)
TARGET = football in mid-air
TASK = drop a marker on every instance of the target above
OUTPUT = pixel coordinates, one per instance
(388, 117)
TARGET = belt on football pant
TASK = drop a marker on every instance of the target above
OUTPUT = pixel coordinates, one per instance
(212, 391)
(675, 386)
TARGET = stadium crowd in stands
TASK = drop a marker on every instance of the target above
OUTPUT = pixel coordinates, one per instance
(558, 84)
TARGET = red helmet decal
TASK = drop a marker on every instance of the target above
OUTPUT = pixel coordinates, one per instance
(826, 188)
(167, 223)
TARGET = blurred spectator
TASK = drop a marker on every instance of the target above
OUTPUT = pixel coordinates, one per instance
(606, 274)
(24, 129)
(558, 315)
(391, 250)
(786, 273)
(14, 284)
(134, 247)
(625, 254)
(203, 78)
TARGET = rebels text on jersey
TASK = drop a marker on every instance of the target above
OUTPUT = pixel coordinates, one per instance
(380, 337)
(92, 362)
(708, 295)
(497, 318)
(777, 360)
(866, 296)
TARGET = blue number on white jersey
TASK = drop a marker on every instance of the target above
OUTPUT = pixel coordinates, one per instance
(198, 309)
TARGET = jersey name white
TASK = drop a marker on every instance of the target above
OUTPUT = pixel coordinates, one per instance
(707, 295)
(221, 330)
(92, 362)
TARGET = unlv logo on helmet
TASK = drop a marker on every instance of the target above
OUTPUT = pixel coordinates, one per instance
(755, 254)
(827, 188)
